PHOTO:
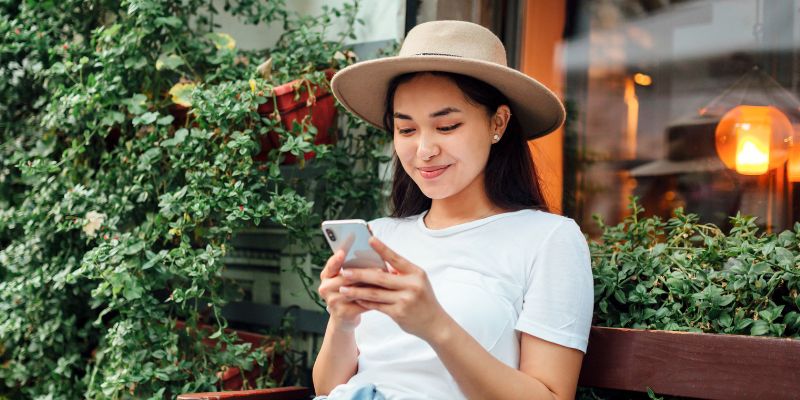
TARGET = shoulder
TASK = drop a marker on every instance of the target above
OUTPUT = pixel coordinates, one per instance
(537, 234)
(542, 224)
(383, 225)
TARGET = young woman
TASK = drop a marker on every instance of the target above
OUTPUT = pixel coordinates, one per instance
(490, 295)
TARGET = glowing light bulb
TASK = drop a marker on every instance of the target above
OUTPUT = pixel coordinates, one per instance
(752, 158)
(753, 139)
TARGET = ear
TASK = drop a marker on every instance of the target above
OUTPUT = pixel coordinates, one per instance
(500, 120)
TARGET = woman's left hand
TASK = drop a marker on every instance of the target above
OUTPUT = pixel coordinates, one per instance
(405, 295)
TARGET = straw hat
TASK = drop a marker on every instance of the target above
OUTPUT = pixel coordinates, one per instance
(449, 46)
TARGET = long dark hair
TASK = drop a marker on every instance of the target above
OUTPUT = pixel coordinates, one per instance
(510, 178)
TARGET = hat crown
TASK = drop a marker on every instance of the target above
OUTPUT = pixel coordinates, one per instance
(454, 38)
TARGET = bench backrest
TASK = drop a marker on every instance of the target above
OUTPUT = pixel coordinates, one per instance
(701, 365)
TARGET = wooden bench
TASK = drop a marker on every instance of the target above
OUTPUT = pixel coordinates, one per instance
(699, 365)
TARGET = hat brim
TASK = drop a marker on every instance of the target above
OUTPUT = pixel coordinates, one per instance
(361, 89)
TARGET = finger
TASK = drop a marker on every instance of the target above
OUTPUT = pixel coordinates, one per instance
(398, 263)
(343, 305)
(373, 294)
(333, 265)
(371, 276)
(370, 305)
(330, 285)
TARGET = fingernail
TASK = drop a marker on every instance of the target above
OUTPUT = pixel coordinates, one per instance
(347, 272)
(344, 289)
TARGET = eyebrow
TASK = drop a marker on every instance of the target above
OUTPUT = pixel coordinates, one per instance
(440, 113)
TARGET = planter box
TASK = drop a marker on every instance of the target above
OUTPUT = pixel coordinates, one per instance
(290, 110)
(701, 365)
(323, 116)
(232, 378)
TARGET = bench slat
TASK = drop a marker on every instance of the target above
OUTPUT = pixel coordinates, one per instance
(702, 365)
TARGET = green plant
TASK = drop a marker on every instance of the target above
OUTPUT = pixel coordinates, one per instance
(684, 275)
(115, 218)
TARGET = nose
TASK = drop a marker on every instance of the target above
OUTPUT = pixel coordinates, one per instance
(427, 148)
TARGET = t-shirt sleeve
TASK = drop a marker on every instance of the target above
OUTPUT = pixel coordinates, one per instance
(559, 299)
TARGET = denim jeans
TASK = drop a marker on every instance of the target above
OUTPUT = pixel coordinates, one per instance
(364, 392)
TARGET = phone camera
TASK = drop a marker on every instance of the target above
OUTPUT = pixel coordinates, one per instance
(330, 234)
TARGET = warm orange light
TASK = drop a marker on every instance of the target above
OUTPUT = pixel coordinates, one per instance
(642, 79)
(752, 148)
(753, 139)
(793, 169)
(632, 101)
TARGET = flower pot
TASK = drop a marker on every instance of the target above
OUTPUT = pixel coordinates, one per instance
(323, 116)
(231, 378)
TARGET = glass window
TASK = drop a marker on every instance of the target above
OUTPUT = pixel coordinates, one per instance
(647, 84)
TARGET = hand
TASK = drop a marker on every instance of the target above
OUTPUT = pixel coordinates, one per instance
(344, 311)
(405, 295)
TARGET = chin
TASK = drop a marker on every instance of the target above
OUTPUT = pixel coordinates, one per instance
(435, 193)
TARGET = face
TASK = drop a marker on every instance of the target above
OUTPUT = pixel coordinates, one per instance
(442, 140)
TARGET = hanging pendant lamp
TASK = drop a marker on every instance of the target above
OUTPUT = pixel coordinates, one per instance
(755, 134)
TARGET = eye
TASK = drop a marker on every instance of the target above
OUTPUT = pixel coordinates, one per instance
(450, 127)
(405, 131)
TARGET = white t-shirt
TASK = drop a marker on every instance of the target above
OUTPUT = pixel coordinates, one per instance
(524, 271)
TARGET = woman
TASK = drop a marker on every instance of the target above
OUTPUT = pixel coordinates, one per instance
(490, 295)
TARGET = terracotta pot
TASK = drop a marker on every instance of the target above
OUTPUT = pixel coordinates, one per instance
(231, 378)
(291, 110)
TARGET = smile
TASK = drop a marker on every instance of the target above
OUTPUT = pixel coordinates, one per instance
(432, 172)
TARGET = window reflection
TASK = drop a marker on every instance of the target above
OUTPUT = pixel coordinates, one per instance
(647, 84)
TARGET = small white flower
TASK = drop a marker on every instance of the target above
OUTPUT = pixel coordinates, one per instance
(94, 220)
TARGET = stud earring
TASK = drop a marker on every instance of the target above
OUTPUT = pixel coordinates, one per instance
(496, 137)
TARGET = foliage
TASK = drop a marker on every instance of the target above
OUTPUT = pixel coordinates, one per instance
(117, 206)
(684, 275)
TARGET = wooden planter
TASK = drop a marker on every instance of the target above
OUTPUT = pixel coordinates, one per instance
(323, 116)
(701, 365)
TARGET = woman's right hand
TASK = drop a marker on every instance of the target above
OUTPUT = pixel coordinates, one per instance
(346, 314)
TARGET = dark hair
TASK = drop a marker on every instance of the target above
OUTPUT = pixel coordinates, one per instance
(510, 178)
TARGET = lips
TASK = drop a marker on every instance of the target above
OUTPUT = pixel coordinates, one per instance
(432, 172)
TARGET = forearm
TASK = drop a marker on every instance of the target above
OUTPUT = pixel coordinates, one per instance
(479, 374)
(337, 361)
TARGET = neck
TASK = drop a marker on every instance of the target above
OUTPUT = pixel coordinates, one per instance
(470, 204)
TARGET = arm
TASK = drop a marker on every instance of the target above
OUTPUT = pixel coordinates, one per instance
(337, 361)
(547, 370)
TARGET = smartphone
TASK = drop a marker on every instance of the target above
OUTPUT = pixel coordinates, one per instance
(352, 236)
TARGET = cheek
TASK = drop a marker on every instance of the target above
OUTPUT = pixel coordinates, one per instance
(406, 151)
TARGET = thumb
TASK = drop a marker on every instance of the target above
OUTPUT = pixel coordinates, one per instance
(397, 262)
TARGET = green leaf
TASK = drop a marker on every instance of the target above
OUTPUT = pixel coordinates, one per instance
(136, 104)
(759, 328)
(725, 320)
(222, 40)
(169, 62)
(165, 120)
(760, 269)
(145, 119)
(132, 292)
(135, 248)
(619, 296)
(173, 22)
